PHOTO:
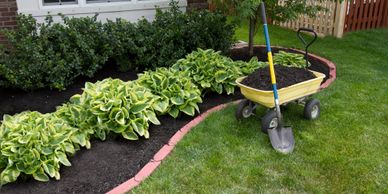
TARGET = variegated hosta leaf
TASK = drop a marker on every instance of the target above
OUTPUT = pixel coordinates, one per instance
(212, 71)
(35, 144)
(174, 89)
(112, 105)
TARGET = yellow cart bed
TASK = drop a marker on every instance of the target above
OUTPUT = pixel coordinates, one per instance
(299, 93)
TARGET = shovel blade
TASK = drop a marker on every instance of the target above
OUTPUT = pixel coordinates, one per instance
(282, 139)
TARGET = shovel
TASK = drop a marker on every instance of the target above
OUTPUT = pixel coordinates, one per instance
(282, 138)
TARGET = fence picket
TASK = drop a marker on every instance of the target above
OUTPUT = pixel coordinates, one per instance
(349, 16)
(370, 15)
(385, 16)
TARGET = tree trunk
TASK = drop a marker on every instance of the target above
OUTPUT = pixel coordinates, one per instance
(252, 26)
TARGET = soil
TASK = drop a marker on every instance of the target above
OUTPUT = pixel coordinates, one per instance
(261, 54)
(107, 164)
(285, 76)
(14, 101)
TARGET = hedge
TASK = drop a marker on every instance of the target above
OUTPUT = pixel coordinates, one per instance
(53, 55)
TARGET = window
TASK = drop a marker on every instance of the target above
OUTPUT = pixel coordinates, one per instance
(104, 1)
(59, 2)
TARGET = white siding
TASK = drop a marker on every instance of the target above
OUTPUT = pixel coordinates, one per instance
(131, 11)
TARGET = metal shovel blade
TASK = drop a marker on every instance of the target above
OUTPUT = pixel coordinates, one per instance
(282, 139)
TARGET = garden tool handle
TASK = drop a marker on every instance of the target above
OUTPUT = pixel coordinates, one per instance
(263, 15)
(307, 45)
(266, 34)
(271, 65)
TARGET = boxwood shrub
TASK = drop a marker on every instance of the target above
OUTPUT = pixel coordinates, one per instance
(53, 55)
(174, 33)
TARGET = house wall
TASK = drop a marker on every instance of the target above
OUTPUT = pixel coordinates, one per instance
(8, 10)
(131, 10)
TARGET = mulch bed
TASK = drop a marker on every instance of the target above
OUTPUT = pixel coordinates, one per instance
(107, 164)
(285, 76)
(45, 100)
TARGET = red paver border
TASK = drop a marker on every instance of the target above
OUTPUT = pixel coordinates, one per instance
(164, 152)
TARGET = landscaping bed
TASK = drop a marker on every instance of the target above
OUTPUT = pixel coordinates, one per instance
(112, 162)
(14, 101)
(285, 76)
(107, 164)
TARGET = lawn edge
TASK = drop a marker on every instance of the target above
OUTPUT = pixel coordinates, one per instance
(162, 154)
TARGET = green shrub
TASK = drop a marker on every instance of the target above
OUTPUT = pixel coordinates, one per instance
(290, 59)
(35, 144)
(214, 72)
(174, 33)
(123, 37)
(175, 90)
(208, 30)
(112, 105)
(52, 54)
(88, 38)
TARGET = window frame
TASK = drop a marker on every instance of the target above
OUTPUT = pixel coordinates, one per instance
(76, 2)
(106, 1)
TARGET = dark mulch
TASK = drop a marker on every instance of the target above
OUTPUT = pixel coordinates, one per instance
(110, 163)
(14, 101)
(285, 76)
(261, 53)
(107, 164)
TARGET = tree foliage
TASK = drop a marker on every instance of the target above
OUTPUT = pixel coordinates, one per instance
(277, 10)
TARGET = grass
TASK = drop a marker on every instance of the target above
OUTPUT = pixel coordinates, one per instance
(344, 151)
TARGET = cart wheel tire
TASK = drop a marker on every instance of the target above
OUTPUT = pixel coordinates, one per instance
(244, 109)
(312, 109)
(269, 121)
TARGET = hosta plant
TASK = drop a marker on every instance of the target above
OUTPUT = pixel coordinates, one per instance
(35, 144)
(212, 71)
(247, 68)
(175, 90)
(290, 59)
(112, 105)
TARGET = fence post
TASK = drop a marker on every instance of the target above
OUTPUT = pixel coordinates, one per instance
(385, 16)
(339, 23)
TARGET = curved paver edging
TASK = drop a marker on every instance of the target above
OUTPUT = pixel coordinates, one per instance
(150, 167)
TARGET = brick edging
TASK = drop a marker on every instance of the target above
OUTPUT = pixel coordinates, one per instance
(151, 166)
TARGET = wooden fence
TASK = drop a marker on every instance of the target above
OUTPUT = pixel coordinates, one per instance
(366, 14)
(324, 23)
(350, 15)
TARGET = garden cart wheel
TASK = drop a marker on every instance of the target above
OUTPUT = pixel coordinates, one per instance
(269, 121)
(244, 109)
(312, 109)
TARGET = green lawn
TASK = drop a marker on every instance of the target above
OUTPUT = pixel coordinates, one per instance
(344, 151)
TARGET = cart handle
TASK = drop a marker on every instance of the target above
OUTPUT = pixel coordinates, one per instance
(307, 45)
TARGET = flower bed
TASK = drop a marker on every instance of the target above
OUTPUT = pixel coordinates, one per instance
(115, 109)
